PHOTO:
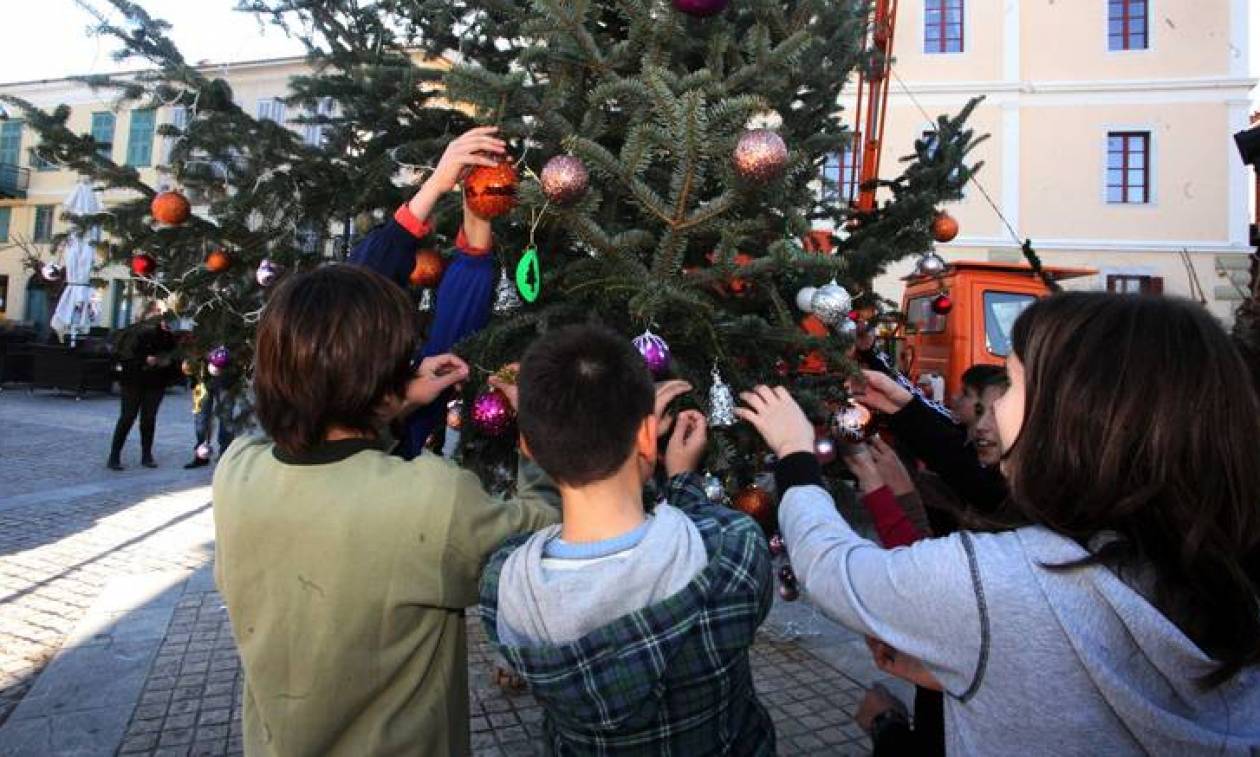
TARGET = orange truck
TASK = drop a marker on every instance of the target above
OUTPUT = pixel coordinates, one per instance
(934, 350)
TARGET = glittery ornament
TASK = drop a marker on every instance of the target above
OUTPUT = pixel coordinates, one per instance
(930, 264)
(427, 271)
(455, 414)
(852, 423)
(787, 575)
(218, 261)
(789, 592)
(825, 451)
(267, 273)
(777, 546)
(721, 403)
(213, 370)
(701, 8)
(831, 303)
(944, 227)
(219, 357)
(506, 300)
(760, 155)
(804, 298)
(942, 304)
(655, 352)
(203, 451)
(143, 264)
(713, 488)
(51, 272)
(170, 208)
(564, 179)
(758, 504)
(426, 301)
(490, 191)
(492, 413)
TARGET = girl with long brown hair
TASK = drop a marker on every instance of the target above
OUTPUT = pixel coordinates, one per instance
(1124, 617)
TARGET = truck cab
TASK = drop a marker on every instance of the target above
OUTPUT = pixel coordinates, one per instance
(987, 298)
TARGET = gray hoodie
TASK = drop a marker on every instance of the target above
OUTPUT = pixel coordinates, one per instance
(1033, 661)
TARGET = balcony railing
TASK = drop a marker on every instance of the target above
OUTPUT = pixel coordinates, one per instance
(14, 181)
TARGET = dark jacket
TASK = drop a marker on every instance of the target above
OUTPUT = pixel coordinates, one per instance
(137, 343)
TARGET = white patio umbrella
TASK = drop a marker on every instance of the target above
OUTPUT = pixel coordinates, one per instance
(75, 314)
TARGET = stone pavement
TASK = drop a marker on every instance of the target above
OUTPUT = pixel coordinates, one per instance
(114, 641)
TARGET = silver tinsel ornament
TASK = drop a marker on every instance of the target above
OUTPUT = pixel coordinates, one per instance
(426, 300)
(831, 303)
(713, 488)
(930, 264)
(506, 300)
(721, 403)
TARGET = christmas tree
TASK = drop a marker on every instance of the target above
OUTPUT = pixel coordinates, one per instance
(670, 156)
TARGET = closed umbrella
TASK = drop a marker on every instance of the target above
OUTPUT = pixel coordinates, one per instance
(75, 314)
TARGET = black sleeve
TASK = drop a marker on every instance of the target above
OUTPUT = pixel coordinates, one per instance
(943, 447)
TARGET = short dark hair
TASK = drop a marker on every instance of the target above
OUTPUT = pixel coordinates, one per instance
(981, 376)
(1140, 421)
(584, 392)
(332, 345)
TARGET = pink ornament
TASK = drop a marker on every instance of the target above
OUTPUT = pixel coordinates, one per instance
(777, 547)
(204, 451)
(492, 413)
(655, 352)
(825, 451)
(701, 8)
(564, 179)
(219, 357)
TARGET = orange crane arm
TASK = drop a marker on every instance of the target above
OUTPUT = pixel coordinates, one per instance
(872, 103)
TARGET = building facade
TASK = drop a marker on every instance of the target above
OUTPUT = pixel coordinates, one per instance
(1110, 124)
(31, 191)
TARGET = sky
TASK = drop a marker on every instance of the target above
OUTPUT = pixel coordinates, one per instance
(205, 30)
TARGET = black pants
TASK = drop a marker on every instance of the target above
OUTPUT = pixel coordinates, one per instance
(928, 735)
(137, 399)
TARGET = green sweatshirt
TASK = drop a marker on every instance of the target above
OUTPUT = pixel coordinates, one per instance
(346, 575)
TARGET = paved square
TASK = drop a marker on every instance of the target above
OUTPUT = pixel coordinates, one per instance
(114, 641)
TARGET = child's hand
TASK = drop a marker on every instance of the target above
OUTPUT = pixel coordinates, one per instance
(686, 446)
(891, 469)
(778, 419)
(466, 151)
(435, 375)
(861, 462)
(667, 392)
(502, 383)
(878, 392)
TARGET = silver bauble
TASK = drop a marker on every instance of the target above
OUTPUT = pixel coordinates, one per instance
(804, 298)
(831, 303)
(930, 264)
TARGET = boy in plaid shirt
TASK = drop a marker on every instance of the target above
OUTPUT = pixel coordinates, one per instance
(631, 628)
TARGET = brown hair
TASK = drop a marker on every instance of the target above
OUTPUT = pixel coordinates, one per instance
(332, 345)
(1141, 421)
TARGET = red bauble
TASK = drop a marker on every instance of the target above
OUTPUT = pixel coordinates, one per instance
(143, 264)
(942, 304)
(490, 191)
(738, 286)
(813, 364)
(428, 270)
(170, 208)
(813, 325)
(757, 503)
(218, 261)
(944, 228)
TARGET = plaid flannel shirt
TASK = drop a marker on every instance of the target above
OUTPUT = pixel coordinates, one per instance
(672, 678)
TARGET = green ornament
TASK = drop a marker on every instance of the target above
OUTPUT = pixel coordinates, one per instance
(528, 277)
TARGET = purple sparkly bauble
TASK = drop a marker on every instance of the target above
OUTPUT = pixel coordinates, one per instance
(760, 155)
(492, 413)
(777, 547)
(655, 352)
(564, 179)
(701, 8)
(267, 273)
(219, 357)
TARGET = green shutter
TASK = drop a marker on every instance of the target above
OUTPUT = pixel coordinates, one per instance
(103, 133)
(140, 138)
(10, 142)
(5, 215)
(43, 223)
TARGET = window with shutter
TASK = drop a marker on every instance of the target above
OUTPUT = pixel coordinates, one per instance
(942, 26)
(103, 133)
(140, 138)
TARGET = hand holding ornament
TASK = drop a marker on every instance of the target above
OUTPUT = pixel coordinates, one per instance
(686, 446)
(778, 419)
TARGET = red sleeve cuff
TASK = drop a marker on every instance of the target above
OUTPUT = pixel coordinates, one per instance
(414, 226)
(461, 244)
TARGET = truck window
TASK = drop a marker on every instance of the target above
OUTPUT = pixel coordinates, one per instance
(920, 317)
(1000, 311)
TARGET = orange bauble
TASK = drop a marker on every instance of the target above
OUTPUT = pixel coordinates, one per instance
(170, 208)
(218, 261)
(428, 270)
(758, 504)
(819, 240)
(813, 364)
(738, 285)
(944, 228)
(813, 325)
(490, 191)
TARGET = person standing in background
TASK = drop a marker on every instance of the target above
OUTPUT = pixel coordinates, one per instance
(146, 356)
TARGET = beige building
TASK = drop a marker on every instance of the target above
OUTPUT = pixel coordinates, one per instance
(31, 193)
(1110, 126)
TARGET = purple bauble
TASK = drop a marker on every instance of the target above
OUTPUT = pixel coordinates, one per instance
(701, 8)
(564, 179)
(777, 547)
(492, 413)
(655, 352)
(267, 273)
(219, 357)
